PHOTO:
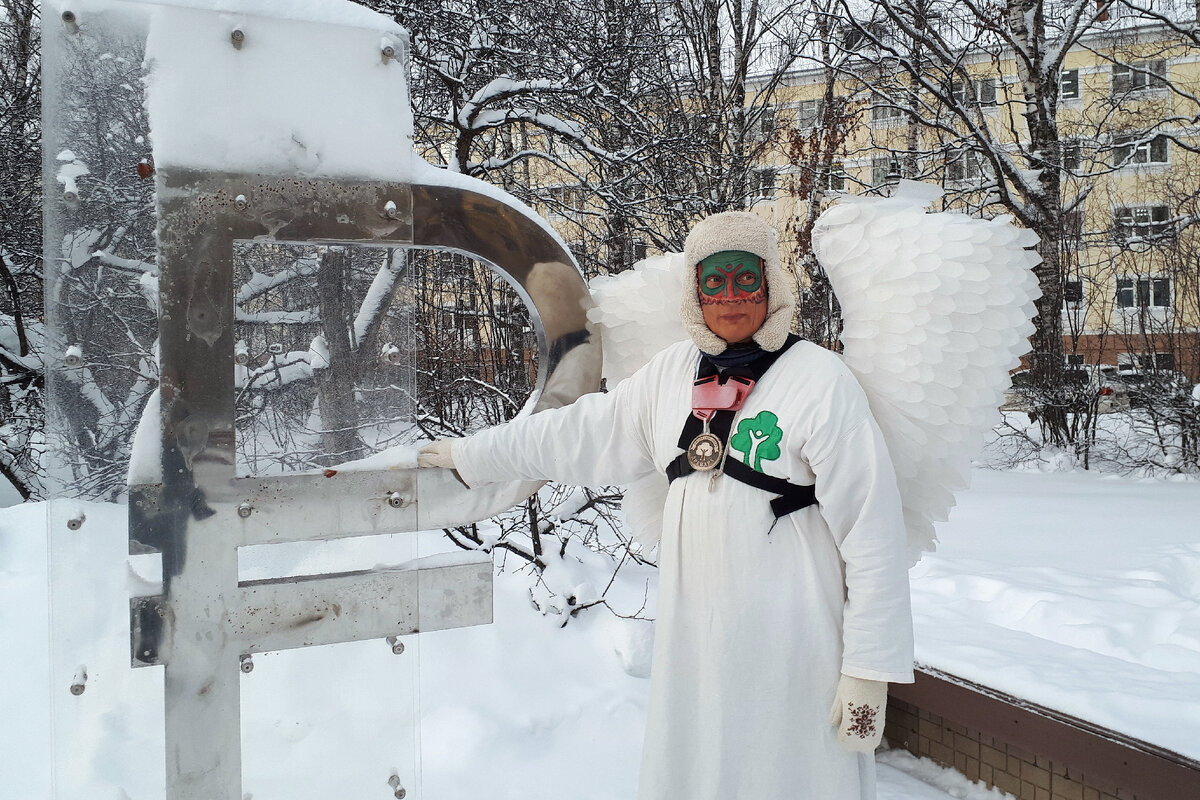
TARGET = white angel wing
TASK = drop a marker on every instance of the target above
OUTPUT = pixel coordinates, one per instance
(937, 309)
(637, 313)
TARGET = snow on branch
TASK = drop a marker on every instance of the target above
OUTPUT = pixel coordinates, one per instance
(499, 89)
(260, 283)
(306, 316)
(376, 300)
(126, 264)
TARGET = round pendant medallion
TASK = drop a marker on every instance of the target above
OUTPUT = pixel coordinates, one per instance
(704, 452)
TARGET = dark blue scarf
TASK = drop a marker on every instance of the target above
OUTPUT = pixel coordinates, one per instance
(736, 355)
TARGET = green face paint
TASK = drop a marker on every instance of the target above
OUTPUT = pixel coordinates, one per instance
(731, 276)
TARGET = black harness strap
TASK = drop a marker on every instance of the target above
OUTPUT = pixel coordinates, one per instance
(791, 496)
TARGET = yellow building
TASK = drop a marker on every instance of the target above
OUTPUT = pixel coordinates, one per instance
(1127, 116)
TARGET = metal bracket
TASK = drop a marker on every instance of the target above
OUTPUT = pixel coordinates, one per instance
(286, 613)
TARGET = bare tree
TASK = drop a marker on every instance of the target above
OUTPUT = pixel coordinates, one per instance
(939, 67)
(817, 143)
(21, 378)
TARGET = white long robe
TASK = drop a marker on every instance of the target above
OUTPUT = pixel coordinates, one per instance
(755, 622)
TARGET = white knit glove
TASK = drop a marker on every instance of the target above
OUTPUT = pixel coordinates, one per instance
(858, 712)
(436, 454)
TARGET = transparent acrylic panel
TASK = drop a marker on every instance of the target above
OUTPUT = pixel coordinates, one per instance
(107, 718)
(476, 357)
(325, 353)
(343, 352)
(333, 721)
(179, 633)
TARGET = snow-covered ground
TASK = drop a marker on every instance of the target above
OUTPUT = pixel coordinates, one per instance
(1077, 591)
(1074, 590)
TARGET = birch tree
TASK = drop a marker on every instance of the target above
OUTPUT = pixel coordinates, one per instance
(939, 67)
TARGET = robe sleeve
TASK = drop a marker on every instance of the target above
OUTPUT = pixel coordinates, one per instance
(860, 501)
(598, 440)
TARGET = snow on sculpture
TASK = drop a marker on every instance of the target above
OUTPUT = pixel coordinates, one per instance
(937, 310)
(226, 91)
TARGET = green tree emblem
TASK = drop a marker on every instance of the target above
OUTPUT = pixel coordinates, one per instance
(758, 439)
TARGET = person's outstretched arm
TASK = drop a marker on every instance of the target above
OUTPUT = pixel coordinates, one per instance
(599, 439)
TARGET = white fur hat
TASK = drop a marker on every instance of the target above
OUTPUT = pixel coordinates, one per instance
(737, 230)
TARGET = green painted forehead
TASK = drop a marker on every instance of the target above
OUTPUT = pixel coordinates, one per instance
(728, 258)
(729, 274)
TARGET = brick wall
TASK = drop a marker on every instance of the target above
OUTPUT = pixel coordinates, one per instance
(1026, 776)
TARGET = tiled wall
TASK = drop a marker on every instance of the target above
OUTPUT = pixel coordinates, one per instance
(1026, 776)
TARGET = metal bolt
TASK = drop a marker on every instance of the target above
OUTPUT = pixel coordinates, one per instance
(73, 357)
(391, 354)
(396, 500)
(241, 356)
(397, 645)
(390, 210)
(75, 523)
(69, 20)
(397, 789)
(79, 682)
(71, 198)
(245, 510)
(246, 663)
(241, 203)
(237, 37)
(388, 52)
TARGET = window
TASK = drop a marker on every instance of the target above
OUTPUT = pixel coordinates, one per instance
(1142, 222)
(958, 91)
(982, 91)
(835, 177)
(1147, 362)
(985, 91)
(1138, 150)
(1072, 155)
(762, 128)
(1075, 359)
(762, 184)
(1068, 84)
(1133, 293)
(1160, 361)
(963, 166)
(1135, 77)
(1072, 228)
(883, 168)
(564, 199)
(808, 114)
(1072, 292)
(635, 250)
(882, 114)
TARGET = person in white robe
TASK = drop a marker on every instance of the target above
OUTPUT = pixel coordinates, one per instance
(775, 636)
